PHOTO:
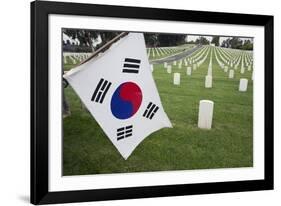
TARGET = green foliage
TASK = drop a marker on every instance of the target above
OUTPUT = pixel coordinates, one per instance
(248, 45)
(151, 39)
(164, 40)
(106, 36)
(191, 42)
(237, 43)
(86, 36)
(226, 43)
(202, 40)
(216, 40)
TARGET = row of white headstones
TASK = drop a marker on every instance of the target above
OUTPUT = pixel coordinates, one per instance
(163, 51)
(74, 58)
(226, 60)
(160, 51)
(199, 59)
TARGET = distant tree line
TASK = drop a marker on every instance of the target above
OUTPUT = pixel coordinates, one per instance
(164, 40)
(200, 40)
(237, 43)
(216, 40)
(86, 39)
(231, 42)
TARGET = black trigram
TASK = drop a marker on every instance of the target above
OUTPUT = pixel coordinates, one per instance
(124, 132)
(131, 65)
(101, 90)
(150, 111)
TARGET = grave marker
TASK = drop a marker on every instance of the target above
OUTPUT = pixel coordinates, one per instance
(208, 81)
(231, 74)
(205, 116)
(151, 67)
(243, 84)
(194, 66)
(177, 77)
(169, 69)
(188, 71)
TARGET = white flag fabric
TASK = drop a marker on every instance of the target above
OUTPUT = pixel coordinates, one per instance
(118, 89)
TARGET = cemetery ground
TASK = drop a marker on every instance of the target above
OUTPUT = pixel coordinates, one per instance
(229, 144)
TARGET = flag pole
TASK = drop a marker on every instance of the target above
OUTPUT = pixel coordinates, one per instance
(104, 47)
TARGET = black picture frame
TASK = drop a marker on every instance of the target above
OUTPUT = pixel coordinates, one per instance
(39, 102)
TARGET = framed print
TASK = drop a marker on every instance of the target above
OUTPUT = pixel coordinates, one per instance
(131, 102)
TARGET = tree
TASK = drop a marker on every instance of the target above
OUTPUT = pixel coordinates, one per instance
(86, 37)
(106, 36)
(235, 43)
(171, 39)
(226, 43)
(151, 39)
(202, 40)
(163, 40)
(216, 40)
(191, 42)
(248, 45)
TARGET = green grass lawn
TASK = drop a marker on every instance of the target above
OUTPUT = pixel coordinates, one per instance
(87, 150)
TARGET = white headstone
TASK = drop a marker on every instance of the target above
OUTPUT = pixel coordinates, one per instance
(249, 68)
(151, 67)
(177, 78)
(194, 66)
(242, 70)
(231, 74)
(205, 116)
(188, 71)
(243, 85)
(210, 71)
(169, 69)
(208, 81)
(175, 63)
(64, 60)
(225, 68)
(165, 64)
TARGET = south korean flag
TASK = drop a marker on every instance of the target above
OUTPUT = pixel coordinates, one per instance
(118, 89)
